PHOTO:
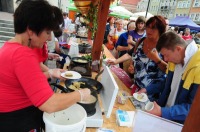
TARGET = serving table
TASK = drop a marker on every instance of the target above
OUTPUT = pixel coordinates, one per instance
(110, 123)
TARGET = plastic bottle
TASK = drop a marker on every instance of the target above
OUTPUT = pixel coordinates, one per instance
(67, 62)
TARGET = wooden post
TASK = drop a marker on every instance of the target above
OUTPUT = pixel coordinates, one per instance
(192, 122)
(102, 18)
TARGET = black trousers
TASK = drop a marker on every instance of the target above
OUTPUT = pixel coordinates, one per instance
(24, 120)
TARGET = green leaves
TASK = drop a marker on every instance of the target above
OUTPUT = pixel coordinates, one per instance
(92, 17)
(88, 57)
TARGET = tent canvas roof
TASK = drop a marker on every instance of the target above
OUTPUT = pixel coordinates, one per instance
(137, 14)
(185, 22)
(120, 11)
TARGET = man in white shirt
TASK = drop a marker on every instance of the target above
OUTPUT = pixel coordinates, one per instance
(67, 21)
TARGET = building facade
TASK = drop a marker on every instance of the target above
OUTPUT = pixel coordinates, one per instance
(11, 5)
(142, 5)
(183, 8)
(195, 11)
(154, 6)
(130, 5)
(167, 8)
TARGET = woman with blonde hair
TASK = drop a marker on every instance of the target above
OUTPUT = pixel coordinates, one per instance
(122, 45)
(114, 35)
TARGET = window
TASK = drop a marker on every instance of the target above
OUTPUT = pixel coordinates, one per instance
(197, 17)
(174, 3)
(171, 3)
(188, 4)
(196, 3)
(180, 4)
(192, 16)
(184, 4)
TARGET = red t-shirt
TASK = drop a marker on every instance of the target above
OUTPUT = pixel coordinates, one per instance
(188, 37)
(42, 54)
(22, 83)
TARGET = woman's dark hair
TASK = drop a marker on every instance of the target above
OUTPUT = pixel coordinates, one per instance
(176, 28)
(37, 15)
(140, 19)
(65, 14)
(108, 20)
(157, 22)
(57, 33)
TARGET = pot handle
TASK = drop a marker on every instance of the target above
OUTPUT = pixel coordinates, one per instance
(100, 73)
(65, 90)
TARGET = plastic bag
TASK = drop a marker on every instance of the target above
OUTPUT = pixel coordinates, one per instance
(74, 50)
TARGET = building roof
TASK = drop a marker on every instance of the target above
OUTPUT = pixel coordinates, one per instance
(132, 2)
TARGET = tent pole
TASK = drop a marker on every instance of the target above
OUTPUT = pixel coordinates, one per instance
(147, 9)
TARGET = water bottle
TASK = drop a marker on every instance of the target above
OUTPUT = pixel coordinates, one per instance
(67, 62)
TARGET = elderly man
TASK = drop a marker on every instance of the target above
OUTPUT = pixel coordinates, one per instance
(183, 77)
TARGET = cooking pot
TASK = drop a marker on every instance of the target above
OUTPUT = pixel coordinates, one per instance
(85, 48)
(79, 60)
(89, 106)
(92, 84)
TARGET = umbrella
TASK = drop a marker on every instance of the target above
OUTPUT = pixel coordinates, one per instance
(120, 11)
(119, 15)
(137, 14)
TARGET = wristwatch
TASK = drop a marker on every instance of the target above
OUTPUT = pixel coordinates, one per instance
(159, 62)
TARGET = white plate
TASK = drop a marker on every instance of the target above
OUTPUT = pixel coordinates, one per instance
(144, 99)
(76, 75)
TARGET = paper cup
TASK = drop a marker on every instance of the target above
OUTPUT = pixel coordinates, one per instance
(149, 106)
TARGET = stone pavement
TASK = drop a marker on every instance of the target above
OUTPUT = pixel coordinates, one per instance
(6, 16)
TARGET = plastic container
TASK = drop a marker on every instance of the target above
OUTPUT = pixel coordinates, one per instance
(72, 119)
(67, 62)
(122, 97)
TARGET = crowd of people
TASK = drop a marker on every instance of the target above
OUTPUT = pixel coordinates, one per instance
(164, 63)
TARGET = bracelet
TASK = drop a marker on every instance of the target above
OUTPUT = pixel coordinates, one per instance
(159, 62)
(80, 94)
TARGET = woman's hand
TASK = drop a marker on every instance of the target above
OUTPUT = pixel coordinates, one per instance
(130, 40)
(53, 56)
(156, 110)
(153, 55)
(131, 69)
(55, 73)
(84, 93)
(142, 90)
(111, 62)
(130, 46)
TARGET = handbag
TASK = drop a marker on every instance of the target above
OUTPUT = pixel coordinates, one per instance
(113, 39)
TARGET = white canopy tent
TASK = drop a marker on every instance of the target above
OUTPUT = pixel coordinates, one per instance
(121, 10)
(137, 14)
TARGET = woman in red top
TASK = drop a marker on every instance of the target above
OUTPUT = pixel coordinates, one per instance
(187, 35)
(24, 90)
